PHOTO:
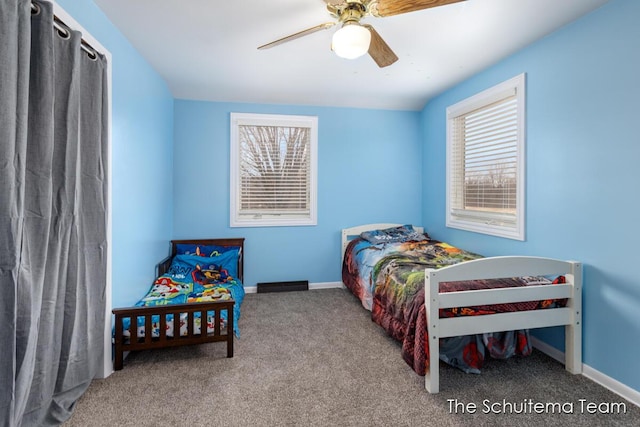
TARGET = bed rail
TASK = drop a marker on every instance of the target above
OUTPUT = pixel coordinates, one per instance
(221, 332)
(569, 316)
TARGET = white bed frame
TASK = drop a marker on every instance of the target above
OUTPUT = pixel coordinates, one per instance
(489, 268)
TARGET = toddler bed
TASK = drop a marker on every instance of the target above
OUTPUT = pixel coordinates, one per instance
(195, 299)
(444, 303)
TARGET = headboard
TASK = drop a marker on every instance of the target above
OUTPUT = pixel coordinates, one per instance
(233, 241)
(348, 234)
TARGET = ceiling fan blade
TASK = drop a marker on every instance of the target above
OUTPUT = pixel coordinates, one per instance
(379, 50)
(298, 35)
(396, 7)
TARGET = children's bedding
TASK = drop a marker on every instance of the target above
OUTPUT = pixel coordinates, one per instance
(194, 278)
(388, 277)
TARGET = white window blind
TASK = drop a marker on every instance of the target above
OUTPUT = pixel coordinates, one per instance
(273, 170)
(485, 165)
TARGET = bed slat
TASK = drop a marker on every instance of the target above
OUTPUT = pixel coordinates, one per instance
(504, 295)
(501, 267)
(469, 325)
(163, 328)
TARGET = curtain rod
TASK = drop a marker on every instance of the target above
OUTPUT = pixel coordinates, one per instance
(64, 31)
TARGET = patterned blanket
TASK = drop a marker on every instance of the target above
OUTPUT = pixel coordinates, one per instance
(389, 280)
(193, 278)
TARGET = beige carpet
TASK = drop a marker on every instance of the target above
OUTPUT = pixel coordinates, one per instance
(315, 358)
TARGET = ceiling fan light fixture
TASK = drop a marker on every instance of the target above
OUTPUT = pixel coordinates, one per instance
(351, 41)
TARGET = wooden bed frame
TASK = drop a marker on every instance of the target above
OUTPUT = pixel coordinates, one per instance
(123, 344)
(569, 316)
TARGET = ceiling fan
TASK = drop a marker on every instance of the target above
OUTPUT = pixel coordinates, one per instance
(354, 39)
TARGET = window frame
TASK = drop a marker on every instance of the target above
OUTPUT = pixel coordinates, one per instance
(270, 219)
(491, 223)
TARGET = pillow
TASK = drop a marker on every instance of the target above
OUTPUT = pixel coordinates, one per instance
(403, 233)
(203, 250)
(227, 261)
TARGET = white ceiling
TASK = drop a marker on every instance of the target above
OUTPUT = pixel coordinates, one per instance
(207, 49)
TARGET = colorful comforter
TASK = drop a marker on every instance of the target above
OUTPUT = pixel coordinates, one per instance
(193, 278)
(389, 280)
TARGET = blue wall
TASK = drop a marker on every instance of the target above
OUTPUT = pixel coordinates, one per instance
(142, 144)
(388, 166)
(369, 170)
(582, 172)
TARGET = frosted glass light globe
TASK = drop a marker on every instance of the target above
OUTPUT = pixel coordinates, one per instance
(351, 41)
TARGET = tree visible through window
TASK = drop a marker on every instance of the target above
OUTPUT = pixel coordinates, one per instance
(273, 170)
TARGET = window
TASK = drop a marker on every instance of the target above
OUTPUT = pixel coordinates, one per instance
(485, 161)
(273, 170)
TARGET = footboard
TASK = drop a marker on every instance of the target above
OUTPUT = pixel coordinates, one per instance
(503, 267)
(204, 334)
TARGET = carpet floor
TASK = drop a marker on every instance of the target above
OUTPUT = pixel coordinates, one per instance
(315, 358)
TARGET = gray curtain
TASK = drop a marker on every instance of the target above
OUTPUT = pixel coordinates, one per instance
(53, 216)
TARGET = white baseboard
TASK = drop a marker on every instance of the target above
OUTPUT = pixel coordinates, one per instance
(615, 386)
(312, 286)
(550, 351)
(594, 375)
